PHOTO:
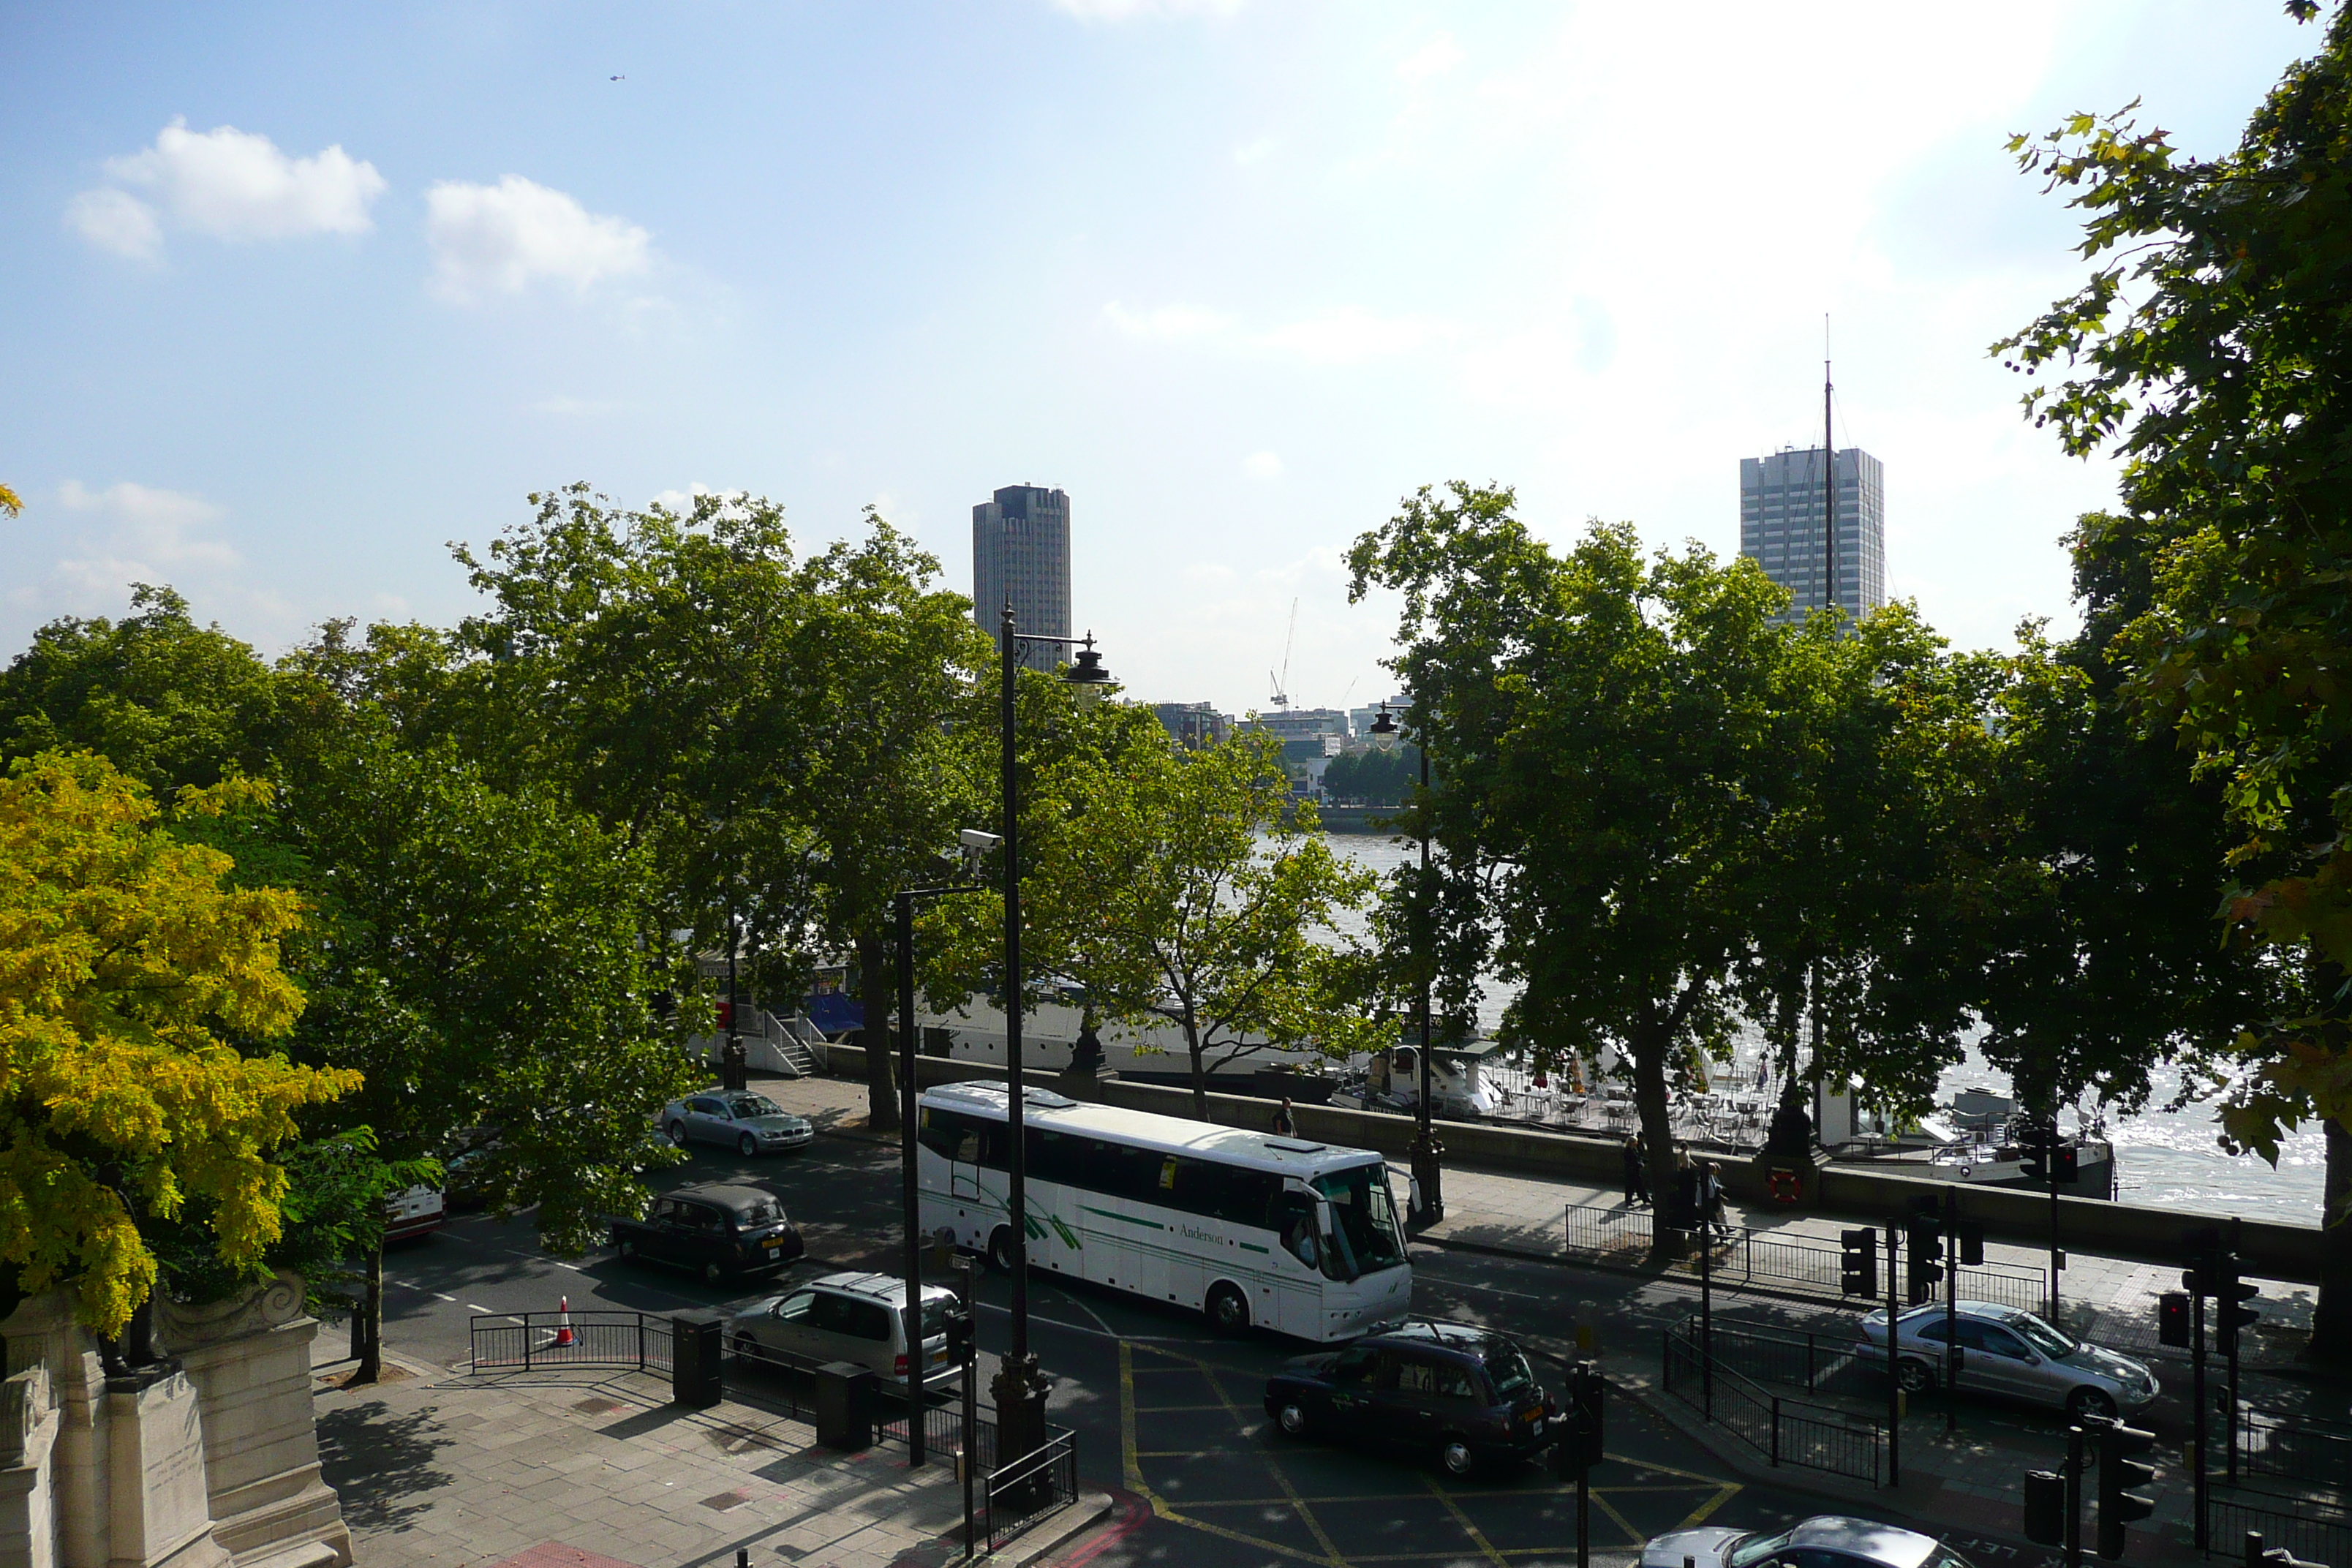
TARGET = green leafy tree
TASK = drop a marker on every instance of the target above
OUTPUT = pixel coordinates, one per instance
(131, 971)
(2211, 348)
(1375, 775)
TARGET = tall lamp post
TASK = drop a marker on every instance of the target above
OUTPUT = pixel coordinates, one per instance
(1426, 1150)
(1019, 1388)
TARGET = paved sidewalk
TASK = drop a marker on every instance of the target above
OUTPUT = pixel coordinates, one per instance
(447, 1470)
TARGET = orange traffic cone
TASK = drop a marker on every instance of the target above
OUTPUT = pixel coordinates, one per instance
(563, 1336)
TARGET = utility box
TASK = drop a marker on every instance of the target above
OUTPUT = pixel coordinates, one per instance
(845, 1407)
(695, 1380)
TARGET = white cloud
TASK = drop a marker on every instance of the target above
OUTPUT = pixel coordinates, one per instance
(228, 184)
(1168, 323)
(1262, 465)
(158, 524)
(1436, 58)
(116, 221)
(502, 238)
(1351, 335)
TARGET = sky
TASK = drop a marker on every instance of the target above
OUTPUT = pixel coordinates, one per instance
(295, 296)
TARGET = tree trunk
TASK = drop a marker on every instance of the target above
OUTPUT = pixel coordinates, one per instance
(874, 997)
(367, 1324)
(1200, 1065)
(1648, 1049)
(2331, 1320)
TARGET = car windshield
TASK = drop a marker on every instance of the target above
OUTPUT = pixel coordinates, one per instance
(742, 1105)
(1747, 1548)
(935, 1316)
(1508, 1370)
(1365, 1220)
(2040, 1335)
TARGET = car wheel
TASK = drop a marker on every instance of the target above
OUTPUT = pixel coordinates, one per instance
(1228, 1310)
(1913, 1376)
(1456, 1455)
(625, 1249)
(678, 1134)
(746, 1348)
(747, 1145)
(1000, 1249)
(713, 1273)
(2088, 1401)
(1292, 1419)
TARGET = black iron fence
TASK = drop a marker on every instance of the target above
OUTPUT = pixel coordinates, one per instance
(1807, 1360)
(1740, 1256)
(531, 1341)
(2294, 1447)
(1021, 1493)
(2314, 1531)
(1785, 1431)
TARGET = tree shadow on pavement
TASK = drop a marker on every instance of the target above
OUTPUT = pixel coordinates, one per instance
(378, 1462)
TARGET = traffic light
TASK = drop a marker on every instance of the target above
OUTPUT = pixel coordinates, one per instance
(2231, 1291)
(1585, 1418)
(1858, 1269)
(2172, 1319)
(2120, 1469)
(2045, 1508)
(959, 1331)
(1924, 1234)
(2035, 1166)
(2069, 1160)
(1968, 1241)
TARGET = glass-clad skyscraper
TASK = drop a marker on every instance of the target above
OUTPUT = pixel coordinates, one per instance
(1020, 550)
(1780, 508)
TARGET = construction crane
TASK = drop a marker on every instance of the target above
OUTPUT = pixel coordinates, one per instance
(1281, 683)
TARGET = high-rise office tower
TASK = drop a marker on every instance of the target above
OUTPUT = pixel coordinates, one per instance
(1780, 508)
(1021, 551)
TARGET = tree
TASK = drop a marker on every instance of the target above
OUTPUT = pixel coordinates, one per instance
(2211, 348)
(129, 972)
(1373, 775)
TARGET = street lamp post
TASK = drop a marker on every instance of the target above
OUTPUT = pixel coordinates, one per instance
(1426, 1151)
(1019, 1388)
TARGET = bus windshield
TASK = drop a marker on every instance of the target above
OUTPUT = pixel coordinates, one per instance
(1366, 1235)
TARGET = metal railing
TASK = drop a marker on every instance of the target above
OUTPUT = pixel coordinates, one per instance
(1806, 1361)
(533, 1342)
(1785, 1431)
(2294, 1447)
(1742, 1257)
(1020, 1494)
(2312, 1531)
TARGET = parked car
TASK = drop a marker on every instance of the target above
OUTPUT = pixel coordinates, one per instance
(717, 1229)
(1826, 1541)
(852, 1317)
(1463, 1394)
(463, 1168)
(734, 1118)
(417, 1212)
(2013, 1353)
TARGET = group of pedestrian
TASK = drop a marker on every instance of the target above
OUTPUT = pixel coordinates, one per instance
(1699, 1185)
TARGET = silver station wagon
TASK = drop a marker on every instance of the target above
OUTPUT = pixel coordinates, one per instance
(2013, 1353)
(851, 1317)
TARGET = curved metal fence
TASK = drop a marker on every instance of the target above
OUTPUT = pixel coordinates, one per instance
(531, 1341)
(1785, 1431)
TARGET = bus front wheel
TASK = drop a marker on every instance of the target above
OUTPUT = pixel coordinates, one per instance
(1000, 1249)
(1228, 1310)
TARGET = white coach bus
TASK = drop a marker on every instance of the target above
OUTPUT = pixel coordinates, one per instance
(1279, 1232)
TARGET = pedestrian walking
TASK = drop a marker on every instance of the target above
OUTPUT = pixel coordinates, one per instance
(1284, 1126)
(1710, 1195)
(1637, 1174)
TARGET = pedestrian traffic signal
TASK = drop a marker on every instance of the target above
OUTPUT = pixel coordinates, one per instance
(2045, 1508)
(2231, 1291)
(1967, 1242)
(2172, 1320)
(2119, 1470)
(959, 1332)
(1858, 1269)
(1588, 1397)
(2068, 1160)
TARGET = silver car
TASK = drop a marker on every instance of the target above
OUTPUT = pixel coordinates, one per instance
(2012, 1352)
(734, 1118)
(1826, 1541)
(859, 1318)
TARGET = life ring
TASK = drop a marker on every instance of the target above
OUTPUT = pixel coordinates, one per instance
(1785, 1184)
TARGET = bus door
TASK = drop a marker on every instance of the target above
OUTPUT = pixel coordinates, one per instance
(1291, 1300)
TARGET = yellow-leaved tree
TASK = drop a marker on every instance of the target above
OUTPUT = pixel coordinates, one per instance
(128, 963)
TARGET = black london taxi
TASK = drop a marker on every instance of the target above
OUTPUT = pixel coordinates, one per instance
(1455, 1391)
(719, 1230)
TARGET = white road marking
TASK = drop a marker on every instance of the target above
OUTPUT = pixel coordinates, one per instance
(476, 1307)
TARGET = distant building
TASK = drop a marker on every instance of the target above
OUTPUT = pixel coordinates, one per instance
(1194, 725)
(1780, 527)
(1021, 551)
(1294, 722)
